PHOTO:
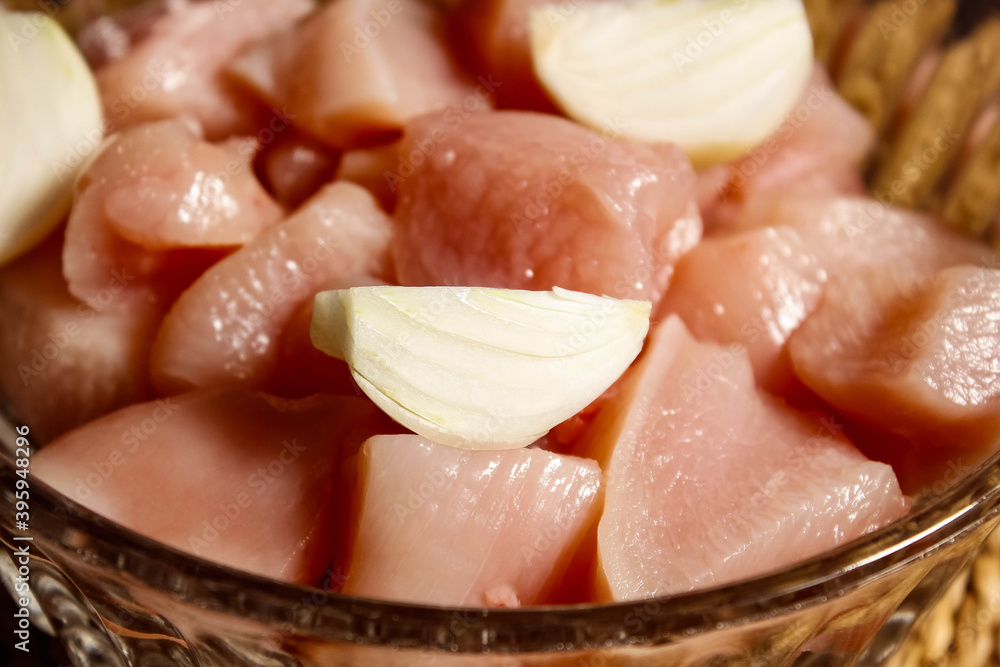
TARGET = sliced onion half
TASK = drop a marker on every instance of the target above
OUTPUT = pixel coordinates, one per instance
(713, 76)
(480, 368)
(50, 123)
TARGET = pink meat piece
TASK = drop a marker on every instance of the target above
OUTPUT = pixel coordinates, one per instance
(505, 523)
(356, 71)
(849, 234)
(731, 483)
(226, 328)
(294, 166)
(377, 169)
(528, 201)
(64, 362)
(752, 288)
(183, 192)
(246, 480)
(817, 149)
(159, 62)
(918, 358)
(301, 368)
(151, 206)
(494, 36)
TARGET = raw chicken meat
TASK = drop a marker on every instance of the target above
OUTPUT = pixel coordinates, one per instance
(181, 275)
(226, 328)
(711, 481)
(817, 149)
(917, 358)
(294, 166)
(247, 480)
(755, 287)
(356, 71)
(850, 234)
(752, 288)
(301, 368)
(923, 472)
(152, 193)
(494, 35)
(166, 61)
(185, 193)
(528, 201)
(376, 169)
(440, 525)
(63, 362)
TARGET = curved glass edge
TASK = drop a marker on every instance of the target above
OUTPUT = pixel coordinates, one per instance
(81, 534)
(104, 544)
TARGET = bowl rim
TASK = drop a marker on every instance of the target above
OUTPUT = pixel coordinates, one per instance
(72, 533)
(83, 537)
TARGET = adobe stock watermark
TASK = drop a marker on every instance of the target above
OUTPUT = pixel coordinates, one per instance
(229, 511)
(635, 623)
(292, 280)
(748, 166)
(35, 23)
(213, 185)
(378, 19)
(713, 29)
(132, 439)
(21, 556)
(58, 341)
(723, 359)
(921, 334)
(901, 14)
(433, 483)
(584, 331)
(558, 11)
(764, 491)
(579, 160)
(547, 537)
(453, 117)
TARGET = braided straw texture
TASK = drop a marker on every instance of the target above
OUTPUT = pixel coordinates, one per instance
(963, 630)
(876, 52)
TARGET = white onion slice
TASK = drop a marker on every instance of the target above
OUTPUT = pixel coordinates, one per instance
(50, 123)
(480, 368)
(715, 77)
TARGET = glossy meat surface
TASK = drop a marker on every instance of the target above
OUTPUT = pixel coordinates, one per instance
(440, 525)
(528, 201)
(711, 482)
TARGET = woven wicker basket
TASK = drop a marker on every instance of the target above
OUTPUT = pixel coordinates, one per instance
(963, 630)
(888, 61)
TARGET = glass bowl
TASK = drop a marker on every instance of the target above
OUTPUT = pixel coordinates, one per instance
(116, 598)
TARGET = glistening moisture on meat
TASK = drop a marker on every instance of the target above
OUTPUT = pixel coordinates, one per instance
(474, 314)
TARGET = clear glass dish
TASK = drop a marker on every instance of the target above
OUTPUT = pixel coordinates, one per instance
(116, 598)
